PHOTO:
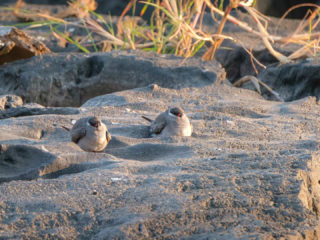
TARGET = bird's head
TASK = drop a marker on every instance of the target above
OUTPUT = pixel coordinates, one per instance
(176, 111)
(94, 122)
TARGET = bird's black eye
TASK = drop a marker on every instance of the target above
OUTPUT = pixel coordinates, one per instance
(178, 114)
(95, 124)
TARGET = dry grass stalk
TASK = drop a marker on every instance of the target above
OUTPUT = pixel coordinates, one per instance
(253, 58)
(301, 39)
(232, 19)
(185, 19)
(304, 51)
(78, 8)
(257, 82)
(209, 54)
(308, 40)
(25, 16)
(265, 38)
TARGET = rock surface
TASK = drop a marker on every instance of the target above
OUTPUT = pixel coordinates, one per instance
(250, 170)
(10, 101)
(293, 81)
(71, 79)
(15, 45)
(13, 106)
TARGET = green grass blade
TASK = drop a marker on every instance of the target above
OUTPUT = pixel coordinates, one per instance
(144, 9)
(78, 45)
(90, 36)
(161, 8)
(198, 47)
(221, 5)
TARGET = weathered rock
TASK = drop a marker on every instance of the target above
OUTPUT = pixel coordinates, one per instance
(15, 45)
(28, 111)
(238, 63)
(14, 165)
(250, 170)
(12, 106)
(43, 164)
(10, 101)
(292, 81)
(237, 56)
(71, 79)
(279, 8)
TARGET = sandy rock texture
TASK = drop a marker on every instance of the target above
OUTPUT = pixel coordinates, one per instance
(250, 170)
(69, 79)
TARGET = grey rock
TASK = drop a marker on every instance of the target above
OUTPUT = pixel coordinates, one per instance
(10, 101)
(28, 111)
(12, 106)
(238, 63)
(250, 170)
(236, 57)
(13, 164)
(71, 79)
(278, 8)
(16, 45)
(293, 81)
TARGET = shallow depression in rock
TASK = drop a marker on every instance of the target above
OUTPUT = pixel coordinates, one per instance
(149, 152)
(19, 162)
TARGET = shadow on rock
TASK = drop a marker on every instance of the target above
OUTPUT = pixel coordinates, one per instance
(150, 152)
(20, 162)
(23, 162)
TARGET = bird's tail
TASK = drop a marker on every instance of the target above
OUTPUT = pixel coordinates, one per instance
(145, 118)
(68, 129)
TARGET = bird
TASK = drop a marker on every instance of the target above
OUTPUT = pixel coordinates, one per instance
(90, 134)
(172, 122)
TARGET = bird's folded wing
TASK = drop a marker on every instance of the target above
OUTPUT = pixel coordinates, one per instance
(77, 134)
(158, 124)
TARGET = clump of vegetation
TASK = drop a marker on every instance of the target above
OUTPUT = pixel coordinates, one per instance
(174, 27)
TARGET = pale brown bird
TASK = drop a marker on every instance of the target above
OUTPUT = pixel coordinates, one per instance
(173, 122)
(90, 134)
